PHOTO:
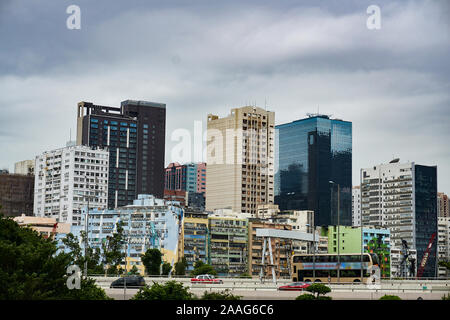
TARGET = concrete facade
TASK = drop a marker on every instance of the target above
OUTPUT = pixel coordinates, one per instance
(64, 180)
(240, 160)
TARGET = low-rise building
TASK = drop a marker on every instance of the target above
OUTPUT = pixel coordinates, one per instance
(16, 194)
(47, 227)
(281, 251)
(443, 245)
(228, 242)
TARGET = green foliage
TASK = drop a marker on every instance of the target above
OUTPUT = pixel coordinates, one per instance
(30, 269)
(446, 297)
(319, 289)
(223, 295)
(306, 296)
(152, 261)
(390, 297)
(171, 290)
(134, 271)
(180, 267)
(202, 268)
(112, 249)
(445, 264)
(245, 276)
(166, 268)
(77, 254)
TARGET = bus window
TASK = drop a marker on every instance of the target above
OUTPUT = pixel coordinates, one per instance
(295, 269)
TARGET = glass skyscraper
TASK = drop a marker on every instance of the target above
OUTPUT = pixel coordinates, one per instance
(310, 153)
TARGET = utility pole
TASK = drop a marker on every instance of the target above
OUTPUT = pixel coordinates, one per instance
(86, 230)
(338, 230)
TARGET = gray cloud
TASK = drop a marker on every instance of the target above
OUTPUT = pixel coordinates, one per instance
(206, 57)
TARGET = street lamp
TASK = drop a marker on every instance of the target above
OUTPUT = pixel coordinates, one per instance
(314, 247)
(338, 231)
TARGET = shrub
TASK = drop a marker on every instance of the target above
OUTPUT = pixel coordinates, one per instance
(319, 289)
(224, 295)
(171, 290)
(306, 296)
(390, 297)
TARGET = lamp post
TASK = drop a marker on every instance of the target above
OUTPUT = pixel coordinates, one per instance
(338, 231)
(314, 247)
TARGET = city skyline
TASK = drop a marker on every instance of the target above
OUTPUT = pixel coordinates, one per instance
(303, 58)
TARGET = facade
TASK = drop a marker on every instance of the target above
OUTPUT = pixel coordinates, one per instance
(443, 244)
(24, 167)
(267, 211)
(240, 160)
(281, 251)
(356, 206)
(228, 242)
(403, 198)
(135, 137)
(196, 200)
(16, 194)
(66, 178)
(310, 153)
(189, 177)
(148, 223)
(350, 238)
(44, 226)
(443, 205)
(193, 243)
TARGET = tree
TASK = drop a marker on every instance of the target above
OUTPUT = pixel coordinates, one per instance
(202, 268)
(30, 269)
(134, 271)
(77, 253)
(171, 290)
(112, 249)
(180, 267)
(319, 289)
(152, 261)
(166, 268)
(224, 295)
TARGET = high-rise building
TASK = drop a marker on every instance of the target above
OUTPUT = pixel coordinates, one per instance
(356, 206)
(443, 205)
(24, 167)
(314, 168)
(240, 160)
(189, 177)
(402, 198)
(66, 178)
(16, 194)
(135, 137)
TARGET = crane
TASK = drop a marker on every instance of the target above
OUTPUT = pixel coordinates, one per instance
(423, 263)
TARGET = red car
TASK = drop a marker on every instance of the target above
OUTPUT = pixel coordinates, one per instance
(205, 278)
(295, 286)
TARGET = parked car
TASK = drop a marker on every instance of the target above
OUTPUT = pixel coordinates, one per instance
(206, 278)
(295, 286)
(129, 281)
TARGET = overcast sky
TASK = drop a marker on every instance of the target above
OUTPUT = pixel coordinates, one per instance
(203, 57)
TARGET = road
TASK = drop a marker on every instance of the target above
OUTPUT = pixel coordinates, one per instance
(271, 294)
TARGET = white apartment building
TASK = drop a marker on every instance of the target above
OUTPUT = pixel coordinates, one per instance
(443, 244)
(66, 178)
(402, 198)
(356, 206)
(24, 167)
(240, 160)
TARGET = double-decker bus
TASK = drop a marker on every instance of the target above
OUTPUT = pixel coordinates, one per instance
(325, 268)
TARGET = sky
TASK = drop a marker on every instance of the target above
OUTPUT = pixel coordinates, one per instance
(200, 57)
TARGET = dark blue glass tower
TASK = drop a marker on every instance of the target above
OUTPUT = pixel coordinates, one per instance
(425, 178)
(310, 153)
